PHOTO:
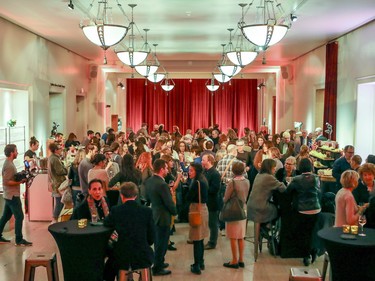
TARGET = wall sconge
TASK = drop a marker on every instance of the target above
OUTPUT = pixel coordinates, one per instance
(121, 85)
(70, 5)
(261, 85)
(293, 17)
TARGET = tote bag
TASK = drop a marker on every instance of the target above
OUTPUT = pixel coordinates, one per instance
(195, 217)
(233, 209)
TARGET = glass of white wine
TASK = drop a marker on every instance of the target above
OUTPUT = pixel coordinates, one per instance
(362, 221)
(184, 176)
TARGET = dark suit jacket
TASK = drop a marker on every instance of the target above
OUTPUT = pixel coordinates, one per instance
(213, 179)
(162, 205)
(135, 227)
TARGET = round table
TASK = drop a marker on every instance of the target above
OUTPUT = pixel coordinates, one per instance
(350, 259)
(82, 250)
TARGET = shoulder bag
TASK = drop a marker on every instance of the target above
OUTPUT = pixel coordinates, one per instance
(233, 209)
(195, 217)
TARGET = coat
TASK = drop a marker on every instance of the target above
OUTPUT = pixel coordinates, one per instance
(259, 207)
(135, 227)
(162, 205)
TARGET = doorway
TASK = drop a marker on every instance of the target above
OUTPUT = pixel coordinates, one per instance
(365, 131)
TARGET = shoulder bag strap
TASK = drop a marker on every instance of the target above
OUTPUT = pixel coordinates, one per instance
(226, 169)
(199, 196)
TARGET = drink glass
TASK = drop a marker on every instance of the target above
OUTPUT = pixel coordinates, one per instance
(94, 218)
(82, 223)
(362, 222)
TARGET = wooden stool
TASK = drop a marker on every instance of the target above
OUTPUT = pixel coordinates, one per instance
(144, 274)
(304, 274)
(48, 260)
(325, 266)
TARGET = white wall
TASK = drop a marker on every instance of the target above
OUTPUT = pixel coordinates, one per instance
(33, 62)
(355, 60)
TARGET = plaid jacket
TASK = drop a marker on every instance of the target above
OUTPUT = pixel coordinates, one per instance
(222, 165)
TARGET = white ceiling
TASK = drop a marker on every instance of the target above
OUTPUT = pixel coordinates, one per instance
(189, 32)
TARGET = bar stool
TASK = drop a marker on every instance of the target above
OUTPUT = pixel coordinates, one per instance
(143, 273)
(48, 260)
(304, 274)
(258, 238)
(325, 266)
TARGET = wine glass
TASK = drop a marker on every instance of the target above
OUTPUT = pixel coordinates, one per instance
(362, 222)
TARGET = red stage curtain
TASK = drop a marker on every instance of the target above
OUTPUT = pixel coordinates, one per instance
(189, 105)
(330, 94)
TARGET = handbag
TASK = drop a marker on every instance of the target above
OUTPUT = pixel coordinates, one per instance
(195, 217)
(67, 197)
(233, 209)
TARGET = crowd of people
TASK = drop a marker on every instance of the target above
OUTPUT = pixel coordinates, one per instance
(143, 183)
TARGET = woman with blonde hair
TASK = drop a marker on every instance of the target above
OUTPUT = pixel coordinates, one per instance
(74, 176)
(347, 210)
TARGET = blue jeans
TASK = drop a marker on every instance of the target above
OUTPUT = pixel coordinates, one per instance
(13, 207)
(161, 245)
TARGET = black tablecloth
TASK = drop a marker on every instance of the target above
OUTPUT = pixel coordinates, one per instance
(350, 259)
(82, 250)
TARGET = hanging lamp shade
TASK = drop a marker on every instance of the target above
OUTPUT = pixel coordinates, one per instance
(131, 57)
(264, 35)
(229, 70)
(156, 77)
(146, 70)
(222, 78)
(269, 29)
(105, 35)
(168, 84)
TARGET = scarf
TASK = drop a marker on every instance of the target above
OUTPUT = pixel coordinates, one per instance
(94, 210)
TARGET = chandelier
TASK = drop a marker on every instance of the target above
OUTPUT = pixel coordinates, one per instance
(130, 56)
(268, 30)
(156, 77)
(212, 87)
(227, 69)
(148, 68)
(168, 84)
(238, 55)
(221, 78)
(102, 33)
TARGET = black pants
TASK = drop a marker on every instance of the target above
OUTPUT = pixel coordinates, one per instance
(161, 245)
(198, 252)
(304, 227)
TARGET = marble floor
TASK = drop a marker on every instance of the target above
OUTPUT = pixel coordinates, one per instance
(266, 268)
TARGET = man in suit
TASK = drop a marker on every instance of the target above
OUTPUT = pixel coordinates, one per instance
(135, 227)
(163, 208)
(342, 164)
(213, 179)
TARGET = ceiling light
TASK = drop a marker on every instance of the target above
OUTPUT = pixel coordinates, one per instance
(222, 78)
(70, 5)
(150, 67)
(293, 17)
(168, 84)
(102, 33)
(156, 77)
(227, 69)
(212, 87)
(130, 56)
(240, 56)
(268, 30)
